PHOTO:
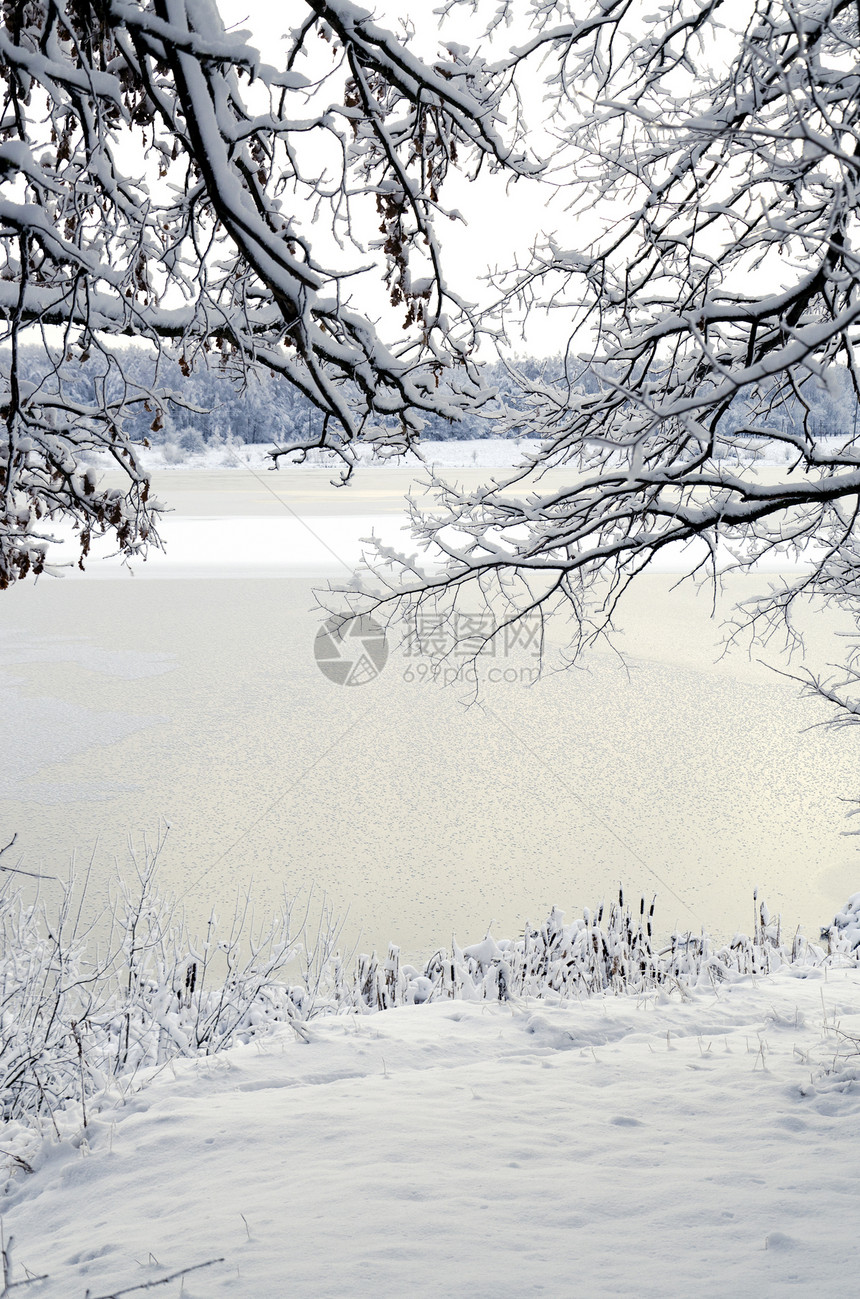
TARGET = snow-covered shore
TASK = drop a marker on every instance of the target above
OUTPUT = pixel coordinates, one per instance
(451, 454)
(686, 1142)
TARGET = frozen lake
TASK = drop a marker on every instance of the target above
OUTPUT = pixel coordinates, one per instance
(189, 692)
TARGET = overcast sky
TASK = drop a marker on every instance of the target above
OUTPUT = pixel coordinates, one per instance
(499, 217)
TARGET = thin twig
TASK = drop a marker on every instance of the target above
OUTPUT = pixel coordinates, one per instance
(150, 1285)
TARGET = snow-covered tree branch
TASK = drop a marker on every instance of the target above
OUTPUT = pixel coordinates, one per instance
(706, 269)
(159, 180)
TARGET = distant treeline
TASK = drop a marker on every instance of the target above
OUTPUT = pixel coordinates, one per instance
(215, 408)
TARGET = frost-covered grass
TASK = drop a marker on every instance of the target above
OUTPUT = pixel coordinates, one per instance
(84, 1009)
(845, 930)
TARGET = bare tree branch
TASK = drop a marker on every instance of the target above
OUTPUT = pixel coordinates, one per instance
(709, 277)
(160, 181)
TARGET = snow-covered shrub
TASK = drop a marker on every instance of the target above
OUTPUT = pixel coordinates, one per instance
(74, 1015)
(844, 933)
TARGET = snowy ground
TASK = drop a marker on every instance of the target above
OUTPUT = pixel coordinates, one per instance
(297, 522)
(689, 1144)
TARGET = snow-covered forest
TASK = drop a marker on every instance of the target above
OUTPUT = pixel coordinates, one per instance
(215, 406)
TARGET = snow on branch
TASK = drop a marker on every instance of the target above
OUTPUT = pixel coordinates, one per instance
(160, 181)
(705, 270)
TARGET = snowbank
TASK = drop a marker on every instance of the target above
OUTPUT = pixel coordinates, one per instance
(547, 1116)
(466, 453)
(676, 1143)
